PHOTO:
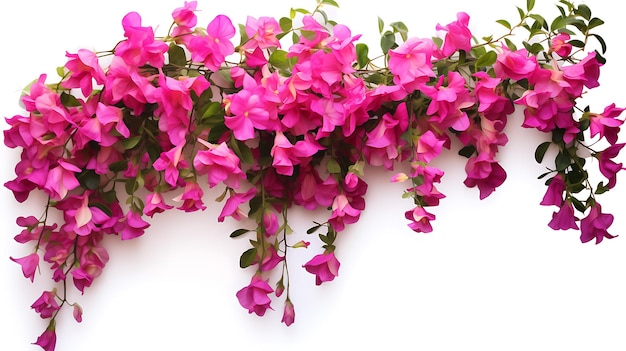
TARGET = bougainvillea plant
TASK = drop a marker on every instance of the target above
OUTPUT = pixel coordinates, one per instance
(289, 113)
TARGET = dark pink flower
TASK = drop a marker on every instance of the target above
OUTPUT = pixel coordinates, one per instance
(608, 167)
(48, 339)
(289, 313)
(344, 212)
(515, 65)
(606, 124)
(155, 204)
(231, 208)
(191, 198)
(135, 225)
(485, 173)
(77, 312)
(29, 265)
(564, 219)
(411, 62)
(554, 193)
(254, 297)
(420, 219)
(46, 305)
(140, 47)
(325, 267)
(61, 179)
(262, 33)
(171, 161)
(185, 16)
(595, 225)
(428, 146)
(84, 69)
(220, 163)
(213, 48)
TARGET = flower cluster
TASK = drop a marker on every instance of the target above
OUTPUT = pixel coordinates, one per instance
(279, 123)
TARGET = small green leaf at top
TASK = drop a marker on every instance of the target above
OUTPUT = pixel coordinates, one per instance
(381, 25)
(329, 2)
(387, 41)
(361, 53)
(239, 232)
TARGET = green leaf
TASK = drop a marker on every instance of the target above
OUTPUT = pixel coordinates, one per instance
(279, 59)
(381, 25)
(285, 24)
(361, 54)
(584, 11)
(69, 100)
(313, 229)
(562, 161)
(239, 232)
(521, 12)
(578, 204)
(176, 55)
(602, 43)
(558, 23)
(61, 71)
(90, 180)
(504, 23)
(510, 44)
(212, 110)
(530, 4)
(601, 189)
(118, 166)
(488, 59)
(247, 258)
(330, 2)
(333, 167)
(401, 28)
(387, 41)
(242, 33)
(541, 150)
(131, 142)
(540, 20)
(467, 151)
(131, 186)
(595, 22)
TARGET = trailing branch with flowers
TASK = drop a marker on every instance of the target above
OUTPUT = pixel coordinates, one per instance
(291, 116)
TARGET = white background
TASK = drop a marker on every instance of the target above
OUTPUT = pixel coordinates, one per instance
(492, 276)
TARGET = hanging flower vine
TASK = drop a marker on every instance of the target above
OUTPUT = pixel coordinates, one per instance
(291, 116)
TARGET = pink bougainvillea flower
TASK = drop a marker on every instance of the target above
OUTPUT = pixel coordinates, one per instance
(606, 124)
(48, 339)
(124, 83)
(220, 163)
(61, 179)
(344, 212)
(428, 147)
(171, 161)
(560, 45)
(135, 225)
(29, 265)
(289, 313)
(608, 167)
(46, 305)
(516, 65)
(270, 222)
(325, 266)
(420, 219)
(91, 262)
(84, 69)
(458, 36)
(254, 297)
(286, 155)
(213, 48)
(231, 208)
(270, 259)
(585, 73)
(155, 203)
(411, 62)
(140, 47)
(485, 173)
(595, 225)
(554, 192)
(191, 198)
(262, 33)
(77, 312)
(449, 98)
(185, 16)
(564, 219)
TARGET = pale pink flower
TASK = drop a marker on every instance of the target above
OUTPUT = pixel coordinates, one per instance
(254, 297)
(325, 266)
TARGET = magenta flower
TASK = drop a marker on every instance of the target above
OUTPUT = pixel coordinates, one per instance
(420, 219)
(608, 167)
(560, 45)
(61, 179)
(29, 265)
(515, 65)
(595, 225)
(428, 146)
(458, 35)
(286, 155)
(84, 69)
(155, 204)
(220, 163)
(485, 173)
(254, 297)
(231, 208)
(191, 198)
(46, 305)
(48, 339)
(185, 16)
(564, 219)
(344, 212)
(171, 161)
(135, 225)
(606, 124)
(213, 48)
(262, 33)
(140, 47)
(289, 313)
(325, 267)
(554, 193)
(411, 63)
